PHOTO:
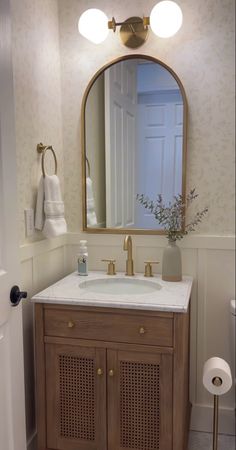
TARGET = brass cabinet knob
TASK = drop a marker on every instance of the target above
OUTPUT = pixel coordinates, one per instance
(142, 330)
(111, 268)
(99, 372)
(111, 373)
(71, 324)
(148, 268)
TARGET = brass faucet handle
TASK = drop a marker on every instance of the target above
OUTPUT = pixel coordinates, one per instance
(111, 268)
(148, 268)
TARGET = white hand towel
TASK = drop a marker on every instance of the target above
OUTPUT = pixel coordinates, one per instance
(39, 212)
(53, 208)
(91, 215)
(52, 188)
(55, 223)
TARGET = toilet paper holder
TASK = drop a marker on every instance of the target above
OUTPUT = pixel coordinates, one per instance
(217, 381)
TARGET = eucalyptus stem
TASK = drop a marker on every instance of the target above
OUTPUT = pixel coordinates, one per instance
(172, 216)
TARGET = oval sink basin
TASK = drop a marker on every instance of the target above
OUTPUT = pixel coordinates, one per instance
(118, 286)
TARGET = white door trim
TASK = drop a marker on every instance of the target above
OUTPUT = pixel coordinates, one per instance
(12, 397)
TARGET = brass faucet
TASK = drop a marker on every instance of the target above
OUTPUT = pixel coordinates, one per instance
(129, 262)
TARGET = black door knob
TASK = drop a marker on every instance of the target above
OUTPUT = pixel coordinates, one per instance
(16, 295)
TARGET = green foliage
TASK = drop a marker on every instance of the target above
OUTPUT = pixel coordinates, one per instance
(172, 216)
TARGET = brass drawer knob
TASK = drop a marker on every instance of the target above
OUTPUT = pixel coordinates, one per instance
(111, 373)
(142, 330)
(99, 372)
(71, 324)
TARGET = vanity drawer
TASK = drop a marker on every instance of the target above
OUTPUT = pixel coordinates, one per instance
(116, 327)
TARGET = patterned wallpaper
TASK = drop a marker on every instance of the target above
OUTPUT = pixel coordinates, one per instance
(202, 55)
(52, 67)
(37, 83)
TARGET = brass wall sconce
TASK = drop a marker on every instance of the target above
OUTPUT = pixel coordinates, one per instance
(133, 31)
(165, 20)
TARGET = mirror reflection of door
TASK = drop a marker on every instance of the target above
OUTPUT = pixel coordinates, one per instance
(120, 132)
(95, 156)
(159, 143)
(134, 141)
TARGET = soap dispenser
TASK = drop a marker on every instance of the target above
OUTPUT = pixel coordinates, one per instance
(83, 259)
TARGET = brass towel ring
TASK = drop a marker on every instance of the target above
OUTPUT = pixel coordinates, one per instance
(43, 149)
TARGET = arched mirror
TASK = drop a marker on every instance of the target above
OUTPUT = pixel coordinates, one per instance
(133, 142)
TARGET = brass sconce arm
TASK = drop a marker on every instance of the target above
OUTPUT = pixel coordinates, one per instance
(112, 24)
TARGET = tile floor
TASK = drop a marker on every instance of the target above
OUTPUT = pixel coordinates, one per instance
(203, 441)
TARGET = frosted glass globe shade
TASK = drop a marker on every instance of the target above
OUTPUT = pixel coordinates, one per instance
(166, 18)
(93, 25)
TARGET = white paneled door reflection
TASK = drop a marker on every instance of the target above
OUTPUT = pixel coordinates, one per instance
(120, 115)
(159, 150)
(143, 143)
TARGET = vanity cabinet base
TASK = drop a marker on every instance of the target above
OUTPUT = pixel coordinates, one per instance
(105, 395)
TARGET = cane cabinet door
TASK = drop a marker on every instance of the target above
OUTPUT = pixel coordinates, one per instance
(75, 397)
(139, 400)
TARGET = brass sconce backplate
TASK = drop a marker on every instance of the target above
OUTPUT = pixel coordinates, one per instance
(133, 32)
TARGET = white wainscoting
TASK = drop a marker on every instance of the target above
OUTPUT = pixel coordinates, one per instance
(209, 259)
(42, 263)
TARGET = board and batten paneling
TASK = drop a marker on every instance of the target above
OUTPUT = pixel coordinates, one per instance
(42, 264)
(209, 259)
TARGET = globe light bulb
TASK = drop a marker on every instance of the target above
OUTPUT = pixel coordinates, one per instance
(93, 25)
(166, 19)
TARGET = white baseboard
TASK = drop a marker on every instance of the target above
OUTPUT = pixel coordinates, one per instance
(202, 419)
(32, 442)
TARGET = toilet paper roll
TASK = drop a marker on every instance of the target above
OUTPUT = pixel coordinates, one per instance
(217, 368)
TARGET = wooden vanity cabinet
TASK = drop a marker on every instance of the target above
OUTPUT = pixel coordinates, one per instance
(110, 379)
(139, 400)
(75, 397)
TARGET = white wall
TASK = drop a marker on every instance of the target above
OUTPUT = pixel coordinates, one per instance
(149, 76)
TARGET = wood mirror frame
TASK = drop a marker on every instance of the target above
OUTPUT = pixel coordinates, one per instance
(97, 230)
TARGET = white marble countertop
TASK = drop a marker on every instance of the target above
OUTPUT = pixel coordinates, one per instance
(169, 296)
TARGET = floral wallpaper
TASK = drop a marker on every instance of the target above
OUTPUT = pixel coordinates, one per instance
(202, 55)
(37, 84)
(53, 65)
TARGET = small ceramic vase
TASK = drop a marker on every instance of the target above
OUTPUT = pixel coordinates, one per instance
(171, 262)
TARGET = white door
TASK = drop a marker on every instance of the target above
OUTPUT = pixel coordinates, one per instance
(160, 147)
(12, 407)
(120, 120)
